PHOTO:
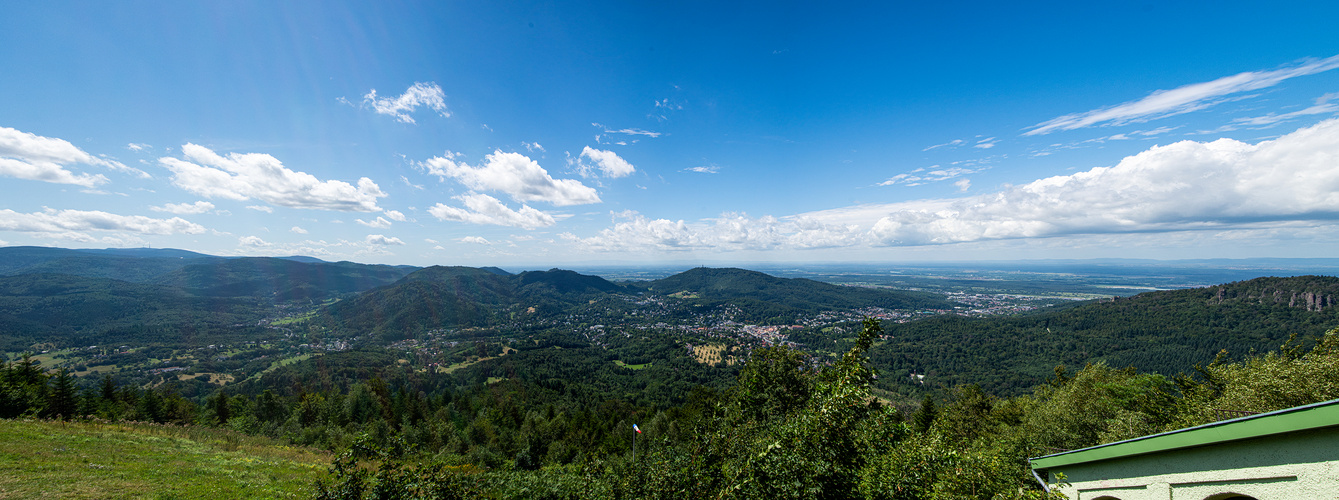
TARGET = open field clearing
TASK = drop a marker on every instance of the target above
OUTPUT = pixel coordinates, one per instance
(42, 459)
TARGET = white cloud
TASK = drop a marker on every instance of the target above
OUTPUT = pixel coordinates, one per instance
(420, 94)
(963, 184)
(1323, 106)
(986, 143)
(37, 158)
(706, 169)
(377, 239)
(516, 175)
(484, 209)
(67, 221)
(198, 207)
(379, 222)
(533, 146)
(1184, 99)
(475, 239)
(252, 241)
(298, 230)
(1183, 186)
(261, 176)
(261, 208)
(607, 162)
(396, 215)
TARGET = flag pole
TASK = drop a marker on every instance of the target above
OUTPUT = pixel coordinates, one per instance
(637, 430)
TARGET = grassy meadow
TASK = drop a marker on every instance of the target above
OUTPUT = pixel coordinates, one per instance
(52, 459)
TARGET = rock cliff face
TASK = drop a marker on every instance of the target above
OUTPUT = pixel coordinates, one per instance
(1312, 293)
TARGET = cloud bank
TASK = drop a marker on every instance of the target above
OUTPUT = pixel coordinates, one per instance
(70, 223)
(1187, 186)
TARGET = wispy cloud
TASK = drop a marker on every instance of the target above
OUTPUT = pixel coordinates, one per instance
(428, 95)
(627, 131)
(1184, 99)
(1322, 106)
(949, 144)
(922, 176)
(705, 169)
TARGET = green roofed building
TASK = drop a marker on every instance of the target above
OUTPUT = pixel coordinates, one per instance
(1290, 454)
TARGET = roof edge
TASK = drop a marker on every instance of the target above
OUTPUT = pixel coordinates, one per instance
(1298, 418)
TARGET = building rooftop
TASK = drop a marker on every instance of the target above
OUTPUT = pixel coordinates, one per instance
(1301, 418)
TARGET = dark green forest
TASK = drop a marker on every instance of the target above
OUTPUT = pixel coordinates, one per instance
(781, 427)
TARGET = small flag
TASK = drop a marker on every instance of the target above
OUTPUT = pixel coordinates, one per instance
(635, 428)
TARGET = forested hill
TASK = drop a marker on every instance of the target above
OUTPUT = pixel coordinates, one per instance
(279, 279)
(1164, 332)
(121, 265)
(450, 297)
(65, 310)
(765, 298)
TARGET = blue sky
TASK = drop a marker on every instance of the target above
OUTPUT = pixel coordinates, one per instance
(535, 135)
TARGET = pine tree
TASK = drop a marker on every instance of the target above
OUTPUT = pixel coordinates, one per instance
(62, 400)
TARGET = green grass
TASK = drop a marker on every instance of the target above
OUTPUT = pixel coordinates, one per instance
(40, 459)
(293, 319)
(620, 362)
(283, 362)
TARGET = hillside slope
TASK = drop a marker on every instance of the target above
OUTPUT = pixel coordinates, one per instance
(280, 279)
(452, 297)
(765, 298)
(1164, 332)
(75, 310)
